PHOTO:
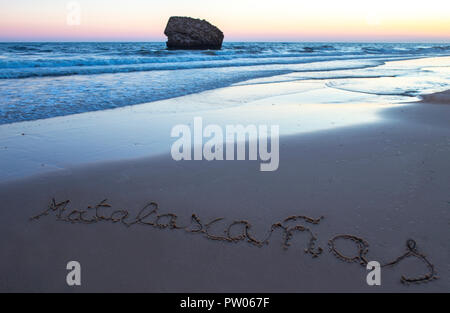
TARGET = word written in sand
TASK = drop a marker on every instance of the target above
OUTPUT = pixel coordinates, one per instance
(236, 231)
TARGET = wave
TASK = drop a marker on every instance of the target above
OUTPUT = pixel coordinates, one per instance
(45, 68)
(41, 80)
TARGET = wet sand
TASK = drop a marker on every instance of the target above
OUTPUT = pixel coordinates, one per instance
(438, 98)
(384, 182)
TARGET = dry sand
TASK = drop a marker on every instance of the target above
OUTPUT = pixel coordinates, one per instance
(385, 182)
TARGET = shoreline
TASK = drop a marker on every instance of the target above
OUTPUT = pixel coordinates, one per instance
(299, 106)
(437, 98)
(384, 182)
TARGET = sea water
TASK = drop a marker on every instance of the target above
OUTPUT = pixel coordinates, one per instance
(42, 80)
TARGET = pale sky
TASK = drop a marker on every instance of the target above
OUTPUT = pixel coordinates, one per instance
(240, 20)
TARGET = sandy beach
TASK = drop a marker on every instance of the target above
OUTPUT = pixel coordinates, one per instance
(382, 182)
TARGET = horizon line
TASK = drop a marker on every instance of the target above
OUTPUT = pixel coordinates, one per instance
(447, 41)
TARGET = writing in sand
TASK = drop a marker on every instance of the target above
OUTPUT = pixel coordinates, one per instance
(234, 231)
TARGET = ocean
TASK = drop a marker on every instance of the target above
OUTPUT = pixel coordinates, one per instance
(44, 80)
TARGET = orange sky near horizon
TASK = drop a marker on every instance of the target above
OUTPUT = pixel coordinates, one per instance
(240, 20)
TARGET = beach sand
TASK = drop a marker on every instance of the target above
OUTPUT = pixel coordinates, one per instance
(384, 182)
(439, 97)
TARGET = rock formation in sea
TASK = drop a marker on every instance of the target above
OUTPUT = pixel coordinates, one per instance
(192, 34)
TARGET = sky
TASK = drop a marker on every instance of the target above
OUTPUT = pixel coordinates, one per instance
(240, 20)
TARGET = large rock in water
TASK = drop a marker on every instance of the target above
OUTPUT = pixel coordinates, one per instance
(192, 34)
